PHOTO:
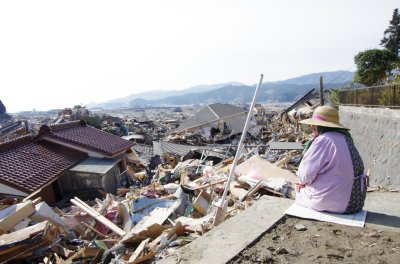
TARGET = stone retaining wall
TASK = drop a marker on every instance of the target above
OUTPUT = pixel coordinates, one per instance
(376, 133)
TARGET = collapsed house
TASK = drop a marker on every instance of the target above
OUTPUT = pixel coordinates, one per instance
(218, 121)
(304, 106)
(15, 129)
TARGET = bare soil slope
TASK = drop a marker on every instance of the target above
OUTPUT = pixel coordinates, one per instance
(322, 242)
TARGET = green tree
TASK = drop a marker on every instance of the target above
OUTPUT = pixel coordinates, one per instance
(391, 36)
(334, 95)
(93, 120)
(374, 66)
(385, 97)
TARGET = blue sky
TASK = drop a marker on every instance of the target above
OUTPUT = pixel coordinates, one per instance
(56, 54)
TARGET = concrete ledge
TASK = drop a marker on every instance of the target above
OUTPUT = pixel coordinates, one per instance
(394, 113)
(383, 210)
(224, 242)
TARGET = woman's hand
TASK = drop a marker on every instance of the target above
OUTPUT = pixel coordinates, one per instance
(298, 186)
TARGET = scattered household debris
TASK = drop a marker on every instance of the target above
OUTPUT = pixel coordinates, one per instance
(167, 194)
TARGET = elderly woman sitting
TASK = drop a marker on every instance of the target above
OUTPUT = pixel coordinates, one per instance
(331, 173)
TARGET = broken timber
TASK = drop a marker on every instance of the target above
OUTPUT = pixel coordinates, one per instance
(100, 218)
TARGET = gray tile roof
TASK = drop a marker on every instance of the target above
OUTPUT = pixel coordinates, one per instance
(144, 152)
(162, 147)
(212, 114)
(225, 110)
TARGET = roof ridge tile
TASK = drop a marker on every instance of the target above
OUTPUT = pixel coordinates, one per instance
(72, 124)
(19, 141)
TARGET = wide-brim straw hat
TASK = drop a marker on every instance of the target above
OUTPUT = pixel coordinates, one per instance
(326, 116)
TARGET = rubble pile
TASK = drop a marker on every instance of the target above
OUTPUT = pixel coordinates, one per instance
(170, 197)
(137, 224)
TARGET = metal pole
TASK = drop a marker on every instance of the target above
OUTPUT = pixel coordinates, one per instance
(240, 146)
(321, 91)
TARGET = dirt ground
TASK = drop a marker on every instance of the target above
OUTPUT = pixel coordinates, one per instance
(321, 242)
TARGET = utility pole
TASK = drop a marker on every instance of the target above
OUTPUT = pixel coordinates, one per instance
(321, 90)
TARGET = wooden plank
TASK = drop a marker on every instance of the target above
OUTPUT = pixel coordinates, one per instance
(20, 251)
(202, 202)
(221, 213)
(126, 217)
(14, 214)
(152, 232)
(22, 234)
(138, 251)
(46, 213)
(98, 217)
(157, 216)
(280, 163)
(155, 219)
(209, 184)
(105, 204)
(251, 191)
(94, 230)
(237, 191)
(18, 244)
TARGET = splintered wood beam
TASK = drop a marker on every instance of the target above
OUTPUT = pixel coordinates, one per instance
(252, 190)
(98, 217)
(138, 251)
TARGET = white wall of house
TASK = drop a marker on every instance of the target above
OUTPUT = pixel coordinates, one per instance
(9, 190)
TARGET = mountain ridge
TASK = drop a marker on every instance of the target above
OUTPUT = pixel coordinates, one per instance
(159, 94)
(233, 92)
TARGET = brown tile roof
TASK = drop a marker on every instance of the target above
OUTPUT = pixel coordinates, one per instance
(27, 165)
(81, 135)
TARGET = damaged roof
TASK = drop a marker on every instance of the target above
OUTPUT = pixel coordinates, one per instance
(310, 99)
(144, 153)
(308, 96)
(162, 147)
(210, 114)
(79, 134)
(27, 165)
